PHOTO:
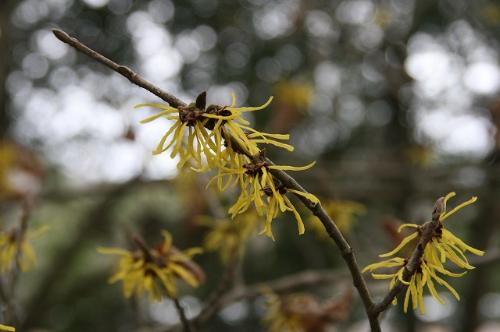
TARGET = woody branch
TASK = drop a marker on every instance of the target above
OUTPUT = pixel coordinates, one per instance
(287, 180)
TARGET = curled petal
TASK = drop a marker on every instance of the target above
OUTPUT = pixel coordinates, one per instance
(392, 262)
(449, 235)
(404, 242)
(309, 196)
(251, 109)
(292, 168)
(407, 226)
(446, 214)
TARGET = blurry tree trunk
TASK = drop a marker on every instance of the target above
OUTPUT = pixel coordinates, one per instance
(5, 10)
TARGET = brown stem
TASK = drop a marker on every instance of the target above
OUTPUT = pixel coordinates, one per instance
(286, 179)
(216, 298)
(286, 284)
(344, 247)
(139, 242)
(8, 290)
(20, 236)
(182, 315)
(120, 69)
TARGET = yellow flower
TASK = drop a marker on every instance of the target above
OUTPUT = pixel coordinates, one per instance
(231, 117)
(444, 246)
(426, 275)
(9, 246)
(303, 312)
(155, 270)
(227, 236)
(443, 242)
(281, 316)
(188, 120)
(295, 94)
(208, 130)
(419, 155)
(344, 213)
(7, 328)
(258, 186)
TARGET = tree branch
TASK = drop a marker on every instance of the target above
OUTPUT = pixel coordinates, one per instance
(286, 179)
(215, 300)
(120, 69)
(285, 284)
(182, 315)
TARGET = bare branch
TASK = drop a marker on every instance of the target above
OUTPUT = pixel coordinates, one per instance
(286, 179)
(216, 299)
(286, 284)
(120, 69)
(182, 316)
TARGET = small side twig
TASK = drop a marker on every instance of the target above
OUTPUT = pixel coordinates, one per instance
(280, 285)
(20, 237)
(216, 299)
(123, 70)
(285, 284)
(182, 315)
(8, 286)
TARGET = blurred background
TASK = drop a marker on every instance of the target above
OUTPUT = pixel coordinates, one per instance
(398, 101)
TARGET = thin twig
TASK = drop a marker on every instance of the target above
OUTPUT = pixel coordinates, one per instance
(285, 284)
(344, 247)
(229, 275)
(280, 285)
(123, 70)
(215, 300)
(321, 277)
(314, 278)
(20, 237)
(492, 257)
(182, 315)
(287, 180)
(8, 288)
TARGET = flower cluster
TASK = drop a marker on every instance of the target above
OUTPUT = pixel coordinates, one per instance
(12, 252)
(7, 328)
(259, 187)
(228, 237)
(219, 137)
(442, 247)
(300, 312)
(295, 94)
(208, 130)
(155, 270)
(285, 314)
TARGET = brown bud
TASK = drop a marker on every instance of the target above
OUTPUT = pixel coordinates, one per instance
(439, 207)
(201, 100)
